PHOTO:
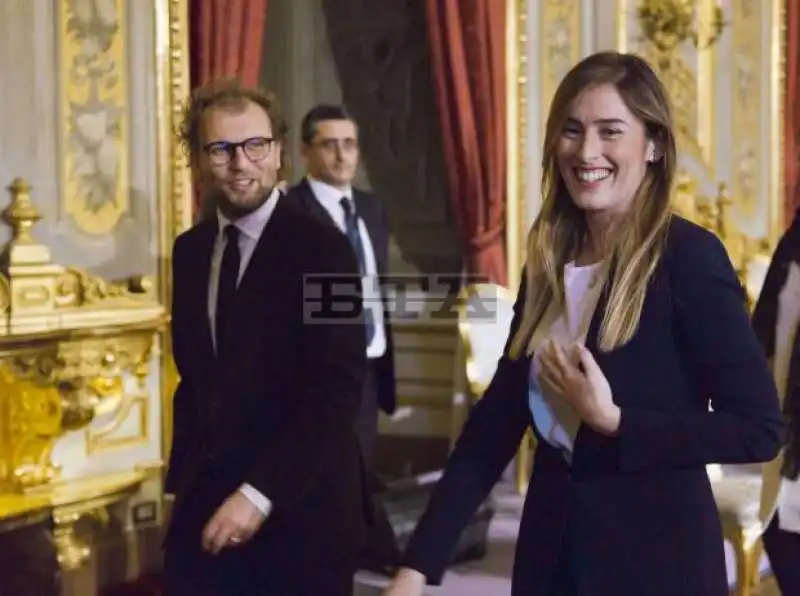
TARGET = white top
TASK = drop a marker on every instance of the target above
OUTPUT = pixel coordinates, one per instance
(557, 422)
(329, 196)
(788, 317)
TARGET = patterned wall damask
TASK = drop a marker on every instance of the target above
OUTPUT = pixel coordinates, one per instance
(95, 128)
(380, 53)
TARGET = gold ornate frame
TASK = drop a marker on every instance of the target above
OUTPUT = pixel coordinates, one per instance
(516, 135)
(516, 171)
(174, 183)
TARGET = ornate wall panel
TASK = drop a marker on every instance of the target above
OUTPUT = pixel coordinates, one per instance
(691, 79)
(726, 96)
(88, 122)
(95, 120)
(174, 183)
(544, 40)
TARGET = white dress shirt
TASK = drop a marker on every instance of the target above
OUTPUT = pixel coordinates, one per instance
(329, 196)
(250, 228)
(556, 421)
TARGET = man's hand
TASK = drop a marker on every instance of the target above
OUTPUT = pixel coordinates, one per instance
(233, 524)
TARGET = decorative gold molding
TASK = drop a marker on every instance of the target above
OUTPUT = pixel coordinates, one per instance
(707, 106)
(622, 23)
(65, 333)
(516, 136)
(91, 498)
(116, 402)
(560, 47)
(777, 121)
(748, 87)
(751, 128)
(32, 420)
(175, 202)
(94, 136)
(757, 90)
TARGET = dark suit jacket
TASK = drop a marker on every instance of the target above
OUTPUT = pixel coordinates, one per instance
(277, 409)
(636, 510)
(376, 220)
(765, 318)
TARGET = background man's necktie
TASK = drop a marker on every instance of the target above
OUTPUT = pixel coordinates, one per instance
(351, 229)
(226, 289)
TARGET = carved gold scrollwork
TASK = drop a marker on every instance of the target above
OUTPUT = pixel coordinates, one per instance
(77, 287)
(669, 23)
(68, 340)
(88, 498)
(32, 422)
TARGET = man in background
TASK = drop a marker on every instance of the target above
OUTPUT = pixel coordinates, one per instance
(330, 148)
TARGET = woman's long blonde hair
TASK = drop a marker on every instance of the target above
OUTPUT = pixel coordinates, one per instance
(560, 228)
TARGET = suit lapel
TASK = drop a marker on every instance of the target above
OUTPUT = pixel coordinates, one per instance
(261, 279)
(306, 196)
(366, 210)
(204, 254)
(264, 259)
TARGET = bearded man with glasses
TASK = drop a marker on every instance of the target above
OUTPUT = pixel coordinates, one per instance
(265, 468)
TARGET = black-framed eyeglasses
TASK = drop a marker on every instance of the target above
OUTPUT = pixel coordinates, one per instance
(331, 145)
(222, 152)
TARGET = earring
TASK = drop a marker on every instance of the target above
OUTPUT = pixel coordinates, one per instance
(651, 157)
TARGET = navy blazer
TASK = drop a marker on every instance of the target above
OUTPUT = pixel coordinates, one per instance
(634, 513)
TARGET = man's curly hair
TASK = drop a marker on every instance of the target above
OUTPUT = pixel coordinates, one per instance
(226, 94)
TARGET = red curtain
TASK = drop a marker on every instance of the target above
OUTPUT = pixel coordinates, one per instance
(467, 47)
(791, 110)
(226, 38)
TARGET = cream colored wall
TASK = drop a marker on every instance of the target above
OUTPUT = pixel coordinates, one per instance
(39, 95)
(727, 99)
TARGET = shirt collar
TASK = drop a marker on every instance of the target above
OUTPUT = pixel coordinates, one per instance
(252, 224)
(327, 194)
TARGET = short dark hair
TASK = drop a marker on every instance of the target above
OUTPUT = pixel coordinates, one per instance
(320, 113)
(225, 93)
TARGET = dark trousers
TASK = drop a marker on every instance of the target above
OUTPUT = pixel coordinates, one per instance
(255, 569)
(265, 566)
(198, 582)
(380, 552)
(367, 417)
(783, 550)
(564, 582)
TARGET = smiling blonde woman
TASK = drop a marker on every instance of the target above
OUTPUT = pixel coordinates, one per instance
(629, 323)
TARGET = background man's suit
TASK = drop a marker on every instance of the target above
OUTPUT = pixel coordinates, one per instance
(274, 410)
(381, 552)
(380, 394)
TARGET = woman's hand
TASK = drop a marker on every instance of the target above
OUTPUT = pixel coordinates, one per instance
(574, 376)
(407, 582)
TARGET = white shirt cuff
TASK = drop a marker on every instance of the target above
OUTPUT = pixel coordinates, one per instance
(262, 503)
